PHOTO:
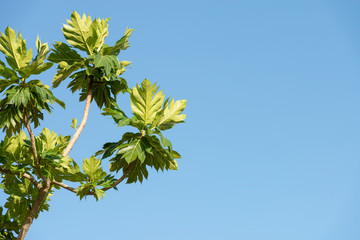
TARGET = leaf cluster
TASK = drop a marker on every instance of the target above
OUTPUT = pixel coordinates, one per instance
(152, 115)
(94, 176)
(16, 159)
(22, 97)
(100, 69)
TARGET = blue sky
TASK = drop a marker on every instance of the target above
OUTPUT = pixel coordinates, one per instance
(271, 144)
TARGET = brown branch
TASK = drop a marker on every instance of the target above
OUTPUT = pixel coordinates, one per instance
(33, 145)
(120, 179)
(25, 175)
(63, 185)
(83, 122)
(43, 192)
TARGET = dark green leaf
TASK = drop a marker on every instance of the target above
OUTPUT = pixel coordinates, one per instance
(63, 53)
(108, 62)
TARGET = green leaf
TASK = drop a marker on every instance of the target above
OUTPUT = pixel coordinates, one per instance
(62, 52)
(15, 96)
(118, 115)
(108, 62)
(173, 165)
(90, 166)
(171, 114)
(164, 141)
(65, 71)
(145, 102)
(132, 151)
(6, 83)
(61, 103)
(7, 73)
(85, 34)
(37, 66)
(122, 44)
(176, 154)
(99, 194)
(14, 49)
(72, 173)
(74, 123)
(84, 189)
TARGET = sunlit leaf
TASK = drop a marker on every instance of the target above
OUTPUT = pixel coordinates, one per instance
(145, 102)
(122, 44)
(85, 34)
(14, 48)
(91, 165)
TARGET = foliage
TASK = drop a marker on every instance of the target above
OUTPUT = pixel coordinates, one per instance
(101, 66)
(32, 167)
(152, 115)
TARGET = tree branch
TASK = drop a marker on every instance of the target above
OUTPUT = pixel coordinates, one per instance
(25, 175)
(83, 122)
(43, 192)
(63, 185)
(33, 145)
(120, 179)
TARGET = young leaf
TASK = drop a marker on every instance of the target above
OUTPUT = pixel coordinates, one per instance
(122, 44)
(145, 102)
(99, 194)
(90, 166)
(85, 34)
(74, 123)
(37, 66)
(172, 114)
(14, 49)
(173, 165)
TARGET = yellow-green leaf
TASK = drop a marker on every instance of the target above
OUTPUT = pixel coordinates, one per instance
(145, 102)
(172, 112)
(14, 49)
(85, 34)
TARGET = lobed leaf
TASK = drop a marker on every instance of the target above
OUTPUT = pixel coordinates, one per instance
(85, 34)
(14, 48)
(63, 53)
(145, 102)
(171, 114)
(121, 44)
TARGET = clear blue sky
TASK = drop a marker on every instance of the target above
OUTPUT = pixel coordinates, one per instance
(271, 144)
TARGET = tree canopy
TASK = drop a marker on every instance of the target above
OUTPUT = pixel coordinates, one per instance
(33, 167)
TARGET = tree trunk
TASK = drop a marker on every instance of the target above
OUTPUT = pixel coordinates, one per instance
(34, 210)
